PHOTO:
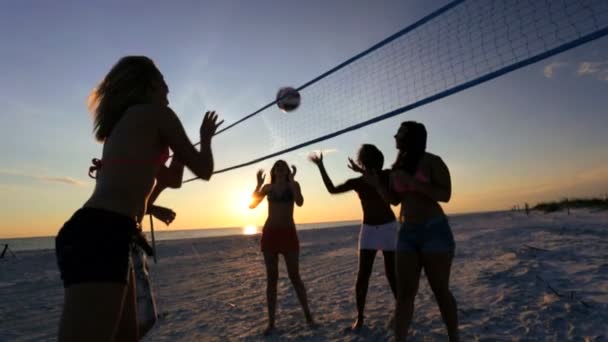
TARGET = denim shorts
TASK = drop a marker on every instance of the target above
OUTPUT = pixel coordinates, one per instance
(94, 246)
(432, 236)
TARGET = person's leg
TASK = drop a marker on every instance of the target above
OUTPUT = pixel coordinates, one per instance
(366, 263)
(389, 270)
(408, 267)
(272, 275)
(437, 269)
(91, 312)
(293, 270)
(128, 328)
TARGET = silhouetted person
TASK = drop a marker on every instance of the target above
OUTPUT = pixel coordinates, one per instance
(279, 235)
(419, 181)
(136, 126)
(379, 227)
(6, 250)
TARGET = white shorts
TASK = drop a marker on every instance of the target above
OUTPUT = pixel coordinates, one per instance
(381, 237)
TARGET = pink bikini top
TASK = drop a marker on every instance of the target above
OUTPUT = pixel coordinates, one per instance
(98, 163)
(401, 187)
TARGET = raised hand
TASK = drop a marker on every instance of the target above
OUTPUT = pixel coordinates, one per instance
(260, 176)
(209, 126)
(293, 172)
(354, 166)
(316, 158)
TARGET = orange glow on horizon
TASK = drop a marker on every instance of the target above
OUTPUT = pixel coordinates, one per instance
(250, 230)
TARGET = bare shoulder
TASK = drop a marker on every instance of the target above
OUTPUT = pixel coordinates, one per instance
(152, 110)
(433, 159)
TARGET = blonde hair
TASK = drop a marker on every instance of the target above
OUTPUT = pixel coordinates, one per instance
(128, 83)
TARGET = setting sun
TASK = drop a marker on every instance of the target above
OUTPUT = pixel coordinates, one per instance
(250, 230)
(242, 202)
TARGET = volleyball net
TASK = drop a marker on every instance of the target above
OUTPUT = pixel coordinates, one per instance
(458, 46)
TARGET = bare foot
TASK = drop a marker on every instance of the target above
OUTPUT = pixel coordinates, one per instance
(311, 323)
(356, 327)
(269, 330)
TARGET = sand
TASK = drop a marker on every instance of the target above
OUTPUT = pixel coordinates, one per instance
(537, 278)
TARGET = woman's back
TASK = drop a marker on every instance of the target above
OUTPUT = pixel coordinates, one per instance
(132, 156)
(376, 210)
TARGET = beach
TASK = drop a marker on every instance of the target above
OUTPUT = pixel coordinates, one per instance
(514, 277)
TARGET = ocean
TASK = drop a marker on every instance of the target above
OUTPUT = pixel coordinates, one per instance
(160, 234)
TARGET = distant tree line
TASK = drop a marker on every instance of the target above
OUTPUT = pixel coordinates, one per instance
(573, 203)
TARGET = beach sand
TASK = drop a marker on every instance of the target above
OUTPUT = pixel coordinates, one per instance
(537, 278)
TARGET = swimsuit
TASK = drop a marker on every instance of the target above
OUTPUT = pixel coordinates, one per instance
(434, 235)
(98, 163)
(402, 187)
(379, 227)
(93, 246)
(281, 239)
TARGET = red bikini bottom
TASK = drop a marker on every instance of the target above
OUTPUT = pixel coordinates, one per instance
(280, 240)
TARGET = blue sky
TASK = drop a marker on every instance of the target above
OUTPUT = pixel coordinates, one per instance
(535, 134)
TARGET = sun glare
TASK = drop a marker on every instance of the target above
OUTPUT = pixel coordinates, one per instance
(244, 199)
(250, 230)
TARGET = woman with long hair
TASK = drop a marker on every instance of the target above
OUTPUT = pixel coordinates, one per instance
(419, 181)
(133, 121)
(279, 234)
(379, 227)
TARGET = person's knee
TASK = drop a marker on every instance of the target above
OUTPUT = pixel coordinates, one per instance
(442, 292)
(272, 277)
(294, 276)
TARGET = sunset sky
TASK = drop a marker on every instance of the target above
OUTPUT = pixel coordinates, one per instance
(536, 134)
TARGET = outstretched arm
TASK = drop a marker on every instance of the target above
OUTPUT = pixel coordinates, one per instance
(295, 187)
(260, 191)
(297, 193)
(329, 185)
(173, 133)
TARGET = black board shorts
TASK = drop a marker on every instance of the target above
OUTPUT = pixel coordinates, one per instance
(93, 246)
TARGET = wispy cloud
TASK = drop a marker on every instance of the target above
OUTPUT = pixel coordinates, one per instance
(550, 70)
(324, 151)
(62, 180)
(43, 178)
(598, 70)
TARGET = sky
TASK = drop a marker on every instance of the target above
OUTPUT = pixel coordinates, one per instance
(533, 135)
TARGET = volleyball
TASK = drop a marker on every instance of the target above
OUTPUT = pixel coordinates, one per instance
(288, 99)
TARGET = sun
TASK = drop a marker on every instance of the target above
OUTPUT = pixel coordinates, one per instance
(243, 200)
(250, 230)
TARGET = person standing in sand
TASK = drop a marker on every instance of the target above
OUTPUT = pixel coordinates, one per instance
(419, 181)
(279, 234)
(379, 227)
(136, 126)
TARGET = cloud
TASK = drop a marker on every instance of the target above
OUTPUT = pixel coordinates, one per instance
(324, 151)
(549, 70)
(62, 180)
(595, 69)
(598, 70)
(48, 179)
